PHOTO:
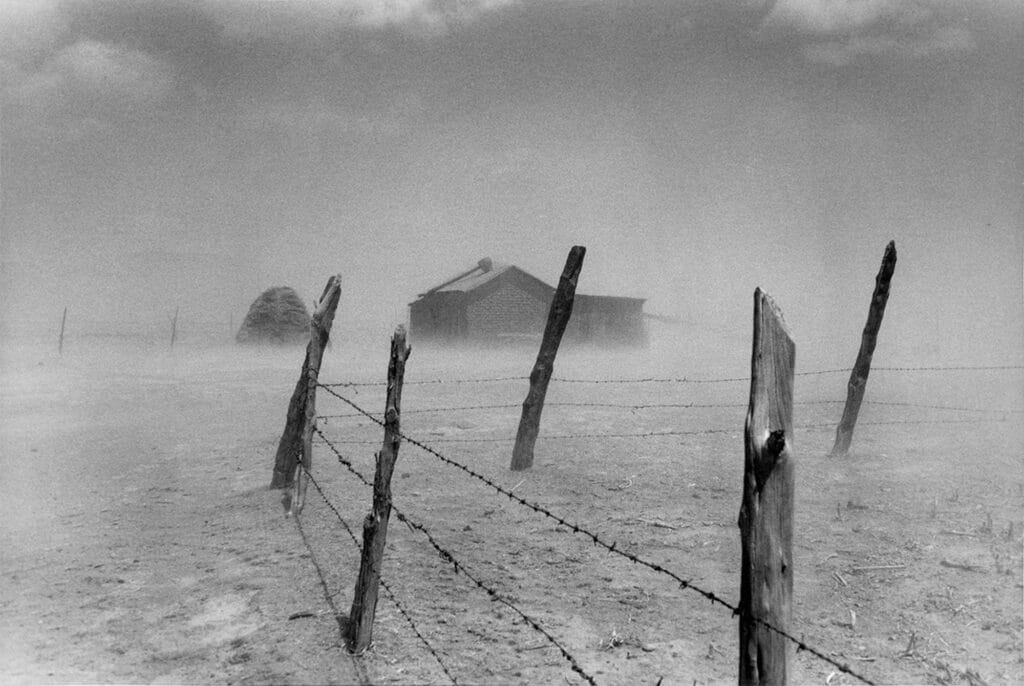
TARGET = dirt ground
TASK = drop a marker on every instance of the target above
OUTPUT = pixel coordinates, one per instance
(141, 543)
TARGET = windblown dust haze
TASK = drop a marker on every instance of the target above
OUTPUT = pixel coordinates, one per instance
(165, 162)
(158, 155)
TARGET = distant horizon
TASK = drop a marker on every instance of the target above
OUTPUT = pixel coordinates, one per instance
(192, 154)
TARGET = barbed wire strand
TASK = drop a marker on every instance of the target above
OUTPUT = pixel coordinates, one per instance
(954, 368)
(383, 583)
(357, 664)
(495, 596)
(448, 557)
(982, 410)
(932, 368)
(424, 382)
(685, 584)
(690, 405)
(700, 432)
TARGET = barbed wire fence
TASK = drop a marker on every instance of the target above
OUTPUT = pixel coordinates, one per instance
(459, 567)
(387, 588)
(445, 554)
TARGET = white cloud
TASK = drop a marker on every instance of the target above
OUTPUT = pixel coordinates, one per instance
(839, 53)
(114, 72)
(827, 17)
(841, 32)
(88, 68)
(73, 91)
(30, 28)
(288, 20)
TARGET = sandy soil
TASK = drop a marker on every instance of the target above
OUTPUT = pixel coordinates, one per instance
(141, 543)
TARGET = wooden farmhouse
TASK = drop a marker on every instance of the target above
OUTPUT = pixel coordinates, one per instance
(495, 302)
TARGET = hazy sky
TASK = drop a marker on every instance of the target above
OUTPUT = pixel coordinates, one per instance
(193, 153)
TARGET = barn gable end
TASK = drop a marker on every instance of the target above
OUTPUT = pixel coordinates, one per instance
(497, 302)
(509, 307)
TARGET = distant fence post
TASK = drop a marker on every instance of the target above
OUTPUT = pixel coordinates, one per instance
(558, 319)
(375, 526)
(859, 375)
(766, 515)
(174, 326)
(291, 444)
(60, 341)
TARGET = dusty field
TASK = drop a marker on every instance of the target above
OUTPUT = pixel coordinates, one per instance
(142, 545)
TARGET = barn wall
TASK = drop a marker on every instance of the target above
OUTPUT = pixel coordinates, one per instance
(514, 306)
(608, 319)
(507, 311)
(438, 316)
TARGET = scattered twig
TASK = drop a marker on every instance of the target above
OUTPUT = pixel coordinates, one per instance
(655, 522)
(911, 646)
(960, 565)
(877, 568)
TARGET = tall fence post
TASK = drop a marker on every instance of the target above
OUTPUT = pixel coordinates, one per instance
(859, 375)
(60, 341)
(766, 515)
(558, 319)
(375, 526)
(291, 444)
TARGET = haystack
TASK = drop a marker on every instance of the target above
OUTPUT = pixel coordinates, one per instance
(278, 316)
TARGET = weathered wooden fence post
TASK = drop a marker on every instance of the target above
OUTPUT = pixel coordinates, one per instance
(60, 342)
(174, 326)
(766, 515)
(375, 526)
(291, 444)
(558, 319)
(319, 336)
(859, 375)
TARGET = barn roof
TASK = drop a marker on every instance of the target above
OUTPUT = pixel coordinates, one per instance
(470, 280)
(487, 270)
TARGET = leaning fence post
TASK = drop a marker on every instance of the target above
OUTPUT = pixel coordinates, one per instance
(766, 515)
(319, 334)
(60, 341)
(291, 444)
(375, 526)
(174, 326)
(859, 375)
(558, 319)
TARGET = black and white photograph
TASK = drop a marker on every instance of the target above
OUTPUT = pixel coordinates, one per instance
(666, 342)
